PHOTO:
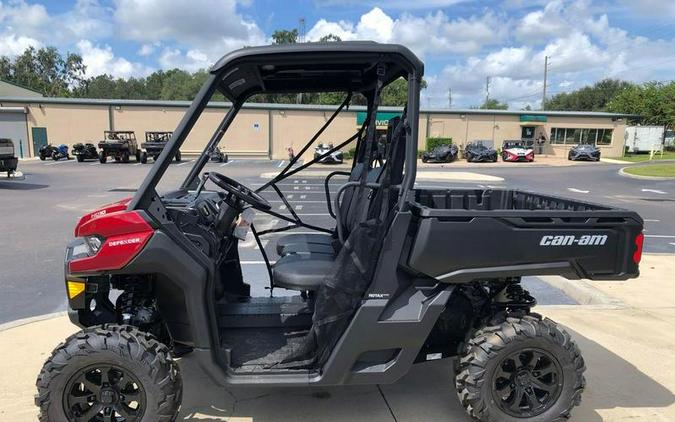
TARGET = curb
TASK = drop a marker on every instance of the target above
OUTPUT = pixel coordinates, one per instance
(25, 321)
(637, 176)
(582, 292)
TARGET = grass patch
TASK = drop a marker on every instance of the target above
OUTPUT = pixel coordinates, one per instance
(638, 158)
(654, 170)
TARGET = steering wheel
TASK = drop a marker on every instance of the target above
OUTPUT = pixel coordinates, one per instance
(240, 191)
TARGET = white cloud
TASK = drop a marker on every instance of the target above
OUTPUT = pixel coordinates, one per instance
(101, 60)
(12, 45)
(192, 60)
(393, 4)
(433, 33)
(198, 23)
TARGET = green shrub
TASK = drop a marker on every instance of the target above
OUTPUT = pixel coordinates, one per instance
(437, 141)
(349, 154)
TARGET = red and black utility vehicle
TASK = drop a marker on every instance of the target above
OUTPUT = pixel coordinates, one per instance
(444, 281)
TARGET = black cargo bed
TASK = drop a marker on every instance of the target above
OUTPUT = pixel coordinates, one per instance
(467, 234)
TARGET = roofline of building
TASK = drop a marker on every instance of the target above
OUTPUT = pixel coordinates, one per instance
(303, 107)
(18, 85)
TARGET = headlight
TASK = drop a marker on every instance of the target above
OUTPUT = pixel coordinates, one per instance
(93, 243)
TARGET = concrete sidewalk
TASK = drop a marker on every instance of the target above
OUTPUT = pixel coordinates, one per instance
(628, 348)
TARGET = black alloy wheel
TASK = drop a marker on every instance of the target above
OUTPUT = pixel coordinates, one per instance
(104, 393)
(527, 383)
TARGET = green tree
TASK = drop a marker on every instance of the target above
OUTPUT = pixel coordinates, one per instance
(493, 104)
(653, 101)
(589, 98)
(45, 70)
(330, 38)
(283, 36)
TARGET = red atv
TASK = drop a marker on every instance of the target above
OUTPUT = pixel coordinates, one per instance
(405, 275)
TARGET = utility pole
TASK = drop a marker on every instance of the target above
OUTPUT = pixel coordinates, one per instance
(302, 29)
(543, 96)
(449, 97)
(487, 89)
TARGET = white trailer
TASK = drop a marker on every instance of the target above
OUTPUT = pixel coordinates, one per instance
(644, 138)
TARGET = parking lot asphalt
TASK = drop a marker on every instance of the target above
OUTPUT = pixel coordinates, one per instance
(39, 214)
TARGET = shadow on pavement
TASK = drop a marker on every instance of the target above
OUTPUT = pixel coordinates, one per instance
(426, 393)
(10, 185)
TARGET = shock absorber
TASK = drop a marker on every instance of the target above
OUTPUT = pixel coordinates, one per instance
(509, 295)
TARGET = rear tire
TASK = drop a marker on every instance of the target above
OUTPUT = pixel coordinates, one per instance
(125, 157)
(543, 389)
(140, 375)
(144, 157)
(80, 158)
(102, 158)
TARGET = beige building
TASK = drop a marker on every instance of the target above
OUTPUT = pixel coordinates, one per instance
(268, 130)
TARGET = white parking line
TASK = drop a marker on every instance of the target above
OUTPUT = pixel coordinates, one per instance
(94, 164)
(255, 262)
(651, 221)
(184, 163)
(660, 192)
(578, 190)
(59, 162)
(281, 163)
(229, 162)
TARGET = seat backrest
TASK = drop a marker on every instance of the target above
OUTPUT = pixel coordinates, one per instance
(394, 157)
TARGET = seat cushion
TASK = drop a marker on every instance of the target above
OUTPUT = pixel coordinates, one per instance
(308, 248)
(301, 271)
(303, 238)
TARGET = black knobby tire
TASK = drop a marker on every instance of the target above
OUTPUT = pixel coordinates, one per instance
(479, 373)
(144, 157)
(80, 158)
(138, 355)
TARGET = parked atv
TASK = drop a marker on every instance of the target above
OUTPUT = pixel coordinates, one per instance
(407, 274)
(154, 145)
(329, 157)
(120, 145)
(54, 152)
(477, 152)
(441, 154)
(85, 151)
(8, 159)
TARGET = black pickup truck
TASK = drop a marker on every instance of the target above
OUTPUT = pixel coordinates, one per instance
(8, 160)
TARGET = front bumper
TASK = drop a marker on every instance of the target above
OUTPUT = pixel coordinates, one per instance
(585, 157)
(87, 288)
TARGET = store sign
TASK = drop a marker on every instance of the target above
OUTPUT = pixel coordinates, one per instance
(381, 119)
(532, 118)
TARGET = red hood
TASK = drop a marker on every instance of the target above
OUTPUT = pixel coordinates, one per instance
(120, 205)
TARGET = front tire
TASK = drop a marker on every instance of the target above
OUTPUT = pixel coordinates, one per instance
(102, 158)
(109, 369)
(524, 370)
(144, 157)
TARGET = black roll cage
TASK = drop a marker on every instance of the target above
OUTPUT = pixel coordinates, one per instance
(310, 67)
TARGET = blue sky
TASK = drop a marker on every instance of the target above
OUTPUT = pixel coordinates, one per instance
(461, 42)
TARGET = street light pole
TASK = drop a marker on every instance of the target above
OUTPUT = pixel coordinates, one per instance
(543, 97)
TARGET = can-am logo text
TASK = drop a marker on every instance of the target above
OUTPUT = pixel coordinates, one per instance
(125, 241)
(569, 240)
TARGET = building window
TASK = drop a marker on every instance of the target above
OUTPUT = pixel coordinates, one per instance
(568, 136)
